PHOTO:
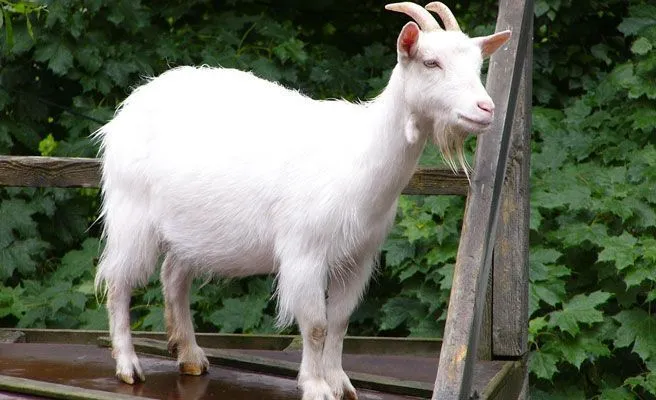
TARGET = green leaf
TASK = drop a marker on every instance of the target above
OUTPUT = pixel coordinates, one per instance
(600, 51)
(576, 233)
(641, 46)
(644, 119)
(540, 264)
(577, 197)
(77, 264)
(636, 274)
(582, 348)
(95, 319)
(398, 310)
(48, 145)
(244, 313)
(551, 293)
(154, 320)
(16, 215)
(631, 26)
(543, 365)
(581, 309)
(637, 328)
(397, 251)
(58, 56)
(620, 250)
(648, 245)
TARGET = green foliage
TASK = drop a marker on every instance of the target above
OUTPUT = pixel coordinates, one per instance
(593, 222)
(593, 173)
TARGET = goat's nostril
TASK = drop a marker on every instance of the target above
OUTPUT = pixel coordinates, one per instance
(486, 106)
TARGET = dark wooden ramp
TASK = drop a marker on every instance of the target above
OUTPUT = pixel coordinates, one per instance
(92, 367)
(72, 366)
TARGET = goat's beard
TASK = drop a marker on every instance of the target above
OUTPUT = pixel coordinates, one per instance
(450, 140)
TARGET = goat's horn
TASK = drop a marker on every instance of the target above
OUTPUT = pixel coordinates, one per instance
(445, 13)
(425, 20)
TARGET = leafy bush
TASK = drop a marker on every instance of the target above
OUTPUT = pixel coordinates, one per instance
(593, 252)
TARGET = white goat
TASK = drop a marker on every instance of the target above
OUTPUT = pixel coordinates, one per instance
(227, 174)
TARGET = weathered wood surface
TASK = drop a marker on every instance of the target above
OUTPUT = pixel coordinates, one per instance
(85, 172)
(234, 359)
(49, 171)
(57, 391)
(474, 258)
(507, 385)
(492, 377)
(510, 264)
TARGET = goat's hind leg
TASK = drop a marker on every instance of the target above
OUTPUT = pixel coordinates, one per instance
(176, 281)
(128, 368)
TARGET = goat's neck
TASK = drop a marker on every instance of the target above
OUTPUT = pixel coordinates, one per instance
(391, 159)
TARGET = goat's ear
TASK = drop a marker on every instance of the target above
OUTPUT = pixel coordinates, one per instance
(492, 43)
(407, 42)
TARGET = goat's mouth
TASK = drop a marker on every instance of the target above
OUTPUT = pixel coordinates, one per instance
(474, 124)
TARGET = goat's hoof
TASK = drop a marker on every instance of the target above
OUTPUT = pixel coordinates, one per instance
(129, 370)
(316, 389)
(350, 395)
(132, 378)
(341, 384)
(189, 368)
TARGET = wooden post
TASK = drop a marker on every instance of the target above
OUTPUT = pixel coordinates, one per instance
(474, 259)
(510, 264)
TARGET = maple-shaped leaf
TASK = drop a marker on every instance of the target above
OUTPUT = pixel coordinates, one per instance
(648, 245)
(639, 272)
(637, 327)
(581, 309)
(540, 264)
(543, 364)
(575, 233)
(581, 348)
(620, 250)
(551, 292)
(58, 55)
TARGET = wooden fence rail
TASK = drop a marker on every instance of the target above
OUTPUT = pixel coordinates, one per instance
(85, 172)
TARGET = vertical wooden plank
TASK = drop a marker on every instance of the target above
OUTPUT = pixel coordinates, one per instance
(485, 336)
(474, 259)
(510, 264)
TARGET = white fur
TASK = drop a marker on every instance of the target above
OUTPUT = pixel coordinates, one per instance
(227, 174)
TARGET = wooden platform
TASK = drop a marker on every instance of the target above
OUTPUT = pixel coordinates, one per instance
(71, 365)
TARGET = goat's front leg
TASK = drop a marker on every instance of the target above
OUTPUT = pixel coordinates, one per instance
(176, 282)
(344, 291)
(301, 292)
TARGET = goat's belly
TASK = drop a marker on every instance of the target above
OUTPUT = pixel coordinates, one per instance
(218, 241)
(226, 255)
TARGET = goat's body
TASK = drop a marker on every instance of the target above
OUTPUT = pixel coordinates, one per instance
(229, 184)
(234, 200)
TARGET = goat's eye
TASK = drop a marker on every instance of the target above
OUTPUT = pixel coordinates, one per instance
(432, 64)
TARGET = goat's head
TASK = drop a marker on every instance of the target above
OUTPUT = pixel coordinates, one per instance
(441, 73)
